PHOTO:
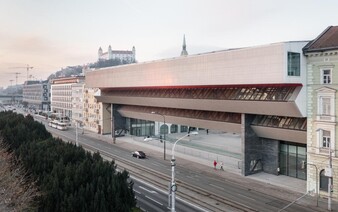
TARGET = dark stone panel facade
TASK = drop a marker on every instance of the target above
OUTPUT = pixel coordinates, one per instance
(259, 154)
(270, 155)
(251, 147)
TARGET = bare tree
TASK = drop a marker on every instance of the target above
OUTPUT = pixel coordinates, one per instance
(17, 189)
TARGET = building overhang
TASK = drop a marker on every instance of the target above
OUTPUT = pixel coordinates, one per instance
(249, 107)
(296, 136)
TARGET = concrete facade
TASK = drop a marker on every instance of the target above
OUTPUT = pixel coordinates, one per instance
(61, 95)
(92, 111)
(77, 102)
(37, 94)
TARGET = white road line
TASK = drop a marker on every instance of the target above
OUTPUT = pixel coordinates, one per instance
(154, 200)
(153, 192)
(195, 206)
(137, 191)
(215, 186)
(155, 164)
(246, 197)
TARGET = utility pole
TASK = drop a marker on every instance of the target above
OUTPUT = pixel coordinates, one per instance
(12, 99)
(330, 181)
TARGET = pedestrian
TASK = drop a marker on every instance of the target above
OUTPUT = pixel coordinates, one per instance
(215, 164)
(207, 131)
(222, 166)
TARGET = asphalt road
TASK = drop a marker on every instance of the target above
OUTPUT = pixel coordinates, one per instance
(254, 199)
(150, 198)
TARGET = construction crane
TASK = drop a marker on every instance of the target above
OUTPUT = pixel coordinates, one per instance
(27, 68)
(16, 76)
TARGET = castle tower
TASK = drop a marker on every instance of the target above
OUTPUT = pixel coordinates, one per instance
(110, 53)
(184, 48)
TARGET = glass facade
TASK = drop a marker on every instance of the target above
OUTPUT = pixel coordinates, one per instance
(280, 122)
(140, 127)
(261, 93)
(293, 64)
(292, 160)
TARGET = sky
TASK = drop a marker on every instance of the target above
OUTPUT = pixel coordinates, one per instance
(54, 34)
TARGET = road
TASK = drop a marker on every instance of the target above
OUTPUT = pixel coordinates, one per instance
(256, 200)
(150, 198)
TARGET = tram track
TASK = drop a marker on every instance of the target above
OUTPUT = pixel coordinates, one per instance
(205, 199)
(196, 195)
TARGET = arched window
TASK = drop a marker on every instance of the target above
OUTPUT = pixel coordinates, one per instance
(164, 129)
(324, 181)
(173, 128)
(184, 128)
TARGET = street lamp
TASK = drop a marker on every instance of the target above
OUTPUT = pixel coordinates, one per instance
(153, 112)
(328, 171)
(173, 186)
(317, 188)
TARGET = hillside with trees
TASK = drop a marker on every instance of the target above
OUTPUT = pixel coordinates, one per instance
(77, 70)
(66, 177)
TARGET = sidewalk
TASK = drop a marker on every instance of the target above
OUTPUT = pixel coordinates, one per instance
(285, 187)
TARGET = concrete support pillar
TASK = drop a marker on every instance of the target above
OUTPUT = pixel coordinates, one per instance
(251, 146)
(112, 123)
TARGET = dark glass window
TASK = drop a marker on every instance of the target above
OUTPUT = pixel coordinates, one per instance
(292, 160)
(184, 128)
(293, 64)
(324, 181)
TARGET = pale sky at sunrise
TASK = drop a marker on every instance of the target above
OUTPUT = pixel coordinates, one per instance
(51, 34)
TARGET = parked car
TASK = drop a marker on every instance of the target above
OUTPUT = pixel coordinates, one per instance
(139, 154)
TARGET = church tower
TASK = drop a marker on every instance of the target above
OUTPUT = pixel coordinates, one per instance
(99, 53)
(184, 48)
(134, 54)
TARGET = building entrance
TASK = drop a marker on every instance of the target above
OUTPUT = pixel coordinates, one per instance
(292, 160)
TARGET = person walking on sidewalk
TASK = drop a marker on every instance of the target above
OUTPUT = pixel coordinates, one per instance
(215, 164)
(221, 166)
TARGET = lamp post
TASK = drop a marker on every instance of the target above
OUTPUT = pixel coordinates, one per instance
(173, 186)
(164, 141)
(317, 192)
(328, 171)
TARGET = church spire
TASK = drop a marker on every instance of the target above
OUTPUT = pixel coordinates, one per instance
(184, 48)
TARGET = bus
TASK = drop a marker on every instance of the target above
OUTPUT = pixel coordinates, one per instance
(58, 125)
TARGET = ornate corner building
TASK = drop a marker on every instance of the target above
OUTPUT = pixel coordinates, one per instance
(322, 81)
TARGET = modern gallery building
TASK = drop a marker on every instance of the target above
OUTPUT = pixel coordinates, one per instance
(258, 92)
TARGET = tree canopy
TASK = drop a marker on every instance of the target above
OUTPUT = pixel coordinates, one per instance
(69, 178)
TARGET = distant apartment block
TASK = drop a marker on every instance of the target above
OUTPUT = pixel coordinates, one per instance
(123, 55)
(92, 110)
(36, 94)
(77, 101)
(61, 94)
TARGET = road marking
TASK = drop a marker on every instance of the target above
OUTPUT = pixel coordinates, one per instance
(154, 200)
(196, 206)
(192, 177)
(137, 191)
(155, 164)
(215, 186)
(246, 197)
(153, 192)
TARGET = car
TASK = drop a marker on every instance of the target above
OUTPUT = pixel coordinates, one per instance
(139, 154)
